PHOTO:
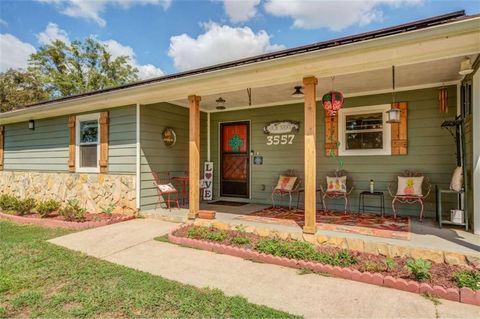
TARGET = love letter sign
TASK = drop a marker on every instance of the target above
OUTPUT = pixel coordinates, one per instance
(207, 181)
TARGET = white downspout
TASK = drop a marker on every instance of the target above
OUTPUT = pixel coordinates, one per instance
(476, 151)
(138, 157)
(208, 136)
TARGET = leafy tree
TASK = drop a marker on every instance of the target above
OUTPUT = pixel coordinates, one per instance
(82, 66)
(19, 88)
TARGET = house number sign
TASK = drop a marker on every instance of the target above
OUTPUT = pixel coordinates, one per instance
(281, 132)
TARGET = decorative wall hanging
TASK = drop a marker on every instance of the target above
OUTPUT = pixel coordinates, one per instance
(169, 137)
(443, 100)
(257, 159)
(207, 182)
(332, 101)
(281, 127)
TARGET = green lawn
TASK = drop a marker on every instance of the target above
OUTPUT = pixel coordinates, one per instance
(39, 279)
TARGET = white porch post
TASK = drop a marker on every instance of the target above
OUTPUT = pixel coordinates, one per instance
(137, 158)
(194, 156)
(476, 151)
(310, 110)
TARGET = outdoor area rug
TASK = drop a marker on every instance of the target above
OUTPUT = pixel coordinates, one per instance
(228, 203)
(365, 223)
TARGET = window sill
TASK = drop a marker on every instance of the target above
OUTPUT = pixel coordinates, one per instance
(94, 170)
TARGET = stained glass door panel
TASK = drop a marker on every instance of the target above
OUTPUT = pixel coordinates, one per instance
(234, 159)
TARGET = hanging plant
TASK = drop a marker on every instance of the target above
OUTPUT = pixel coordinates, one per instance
(332, 102)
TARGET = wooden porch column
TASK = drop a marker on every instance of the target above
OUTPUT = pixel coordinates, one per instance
(310, 85)
(194, 156)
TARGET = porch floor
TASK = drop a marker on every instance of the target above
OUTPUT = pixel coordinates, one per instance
(424, 234)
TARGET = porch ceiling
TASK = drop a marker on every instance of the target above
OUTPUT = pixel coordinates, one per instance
(377, 81)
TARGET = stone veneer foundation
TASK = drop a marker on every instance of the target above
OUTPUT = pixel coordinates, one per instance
(93, 191)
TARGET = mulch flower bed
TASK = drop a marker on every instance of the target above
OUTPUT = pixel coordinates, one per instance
(90, 220)
(365, 267)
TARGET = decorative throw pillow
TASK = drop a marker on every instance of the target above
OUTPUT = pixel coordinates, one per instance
(167, 188)
(457, 179)
(286, 183)
(410, 186)
(337, 184)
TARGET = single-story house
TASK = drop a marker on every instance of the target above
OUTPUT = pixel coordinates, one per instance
(245, 119)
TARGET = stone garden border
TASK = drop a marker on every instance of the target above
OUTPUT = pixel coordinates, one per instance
(55, 223)
(464, 295)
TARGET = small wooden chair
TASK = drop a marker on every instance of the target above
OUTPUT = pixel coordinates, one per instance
(165, 188)
(411, 199)
(279, 191)
(328, 194)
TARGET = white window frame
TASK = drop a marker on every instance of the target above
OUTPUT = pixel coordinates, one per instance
(81, 118)
(387, 144)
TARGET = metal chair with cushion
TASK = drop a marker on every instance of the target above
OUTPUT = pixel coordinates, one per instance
(288, 184)
(332, 188)
(407, 194)
(165, 189)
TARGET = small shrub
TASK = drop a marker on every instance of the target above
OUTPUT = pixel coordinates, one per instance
(419, 268)
(302, 250)
(8, 202)
(372, 266)
(108, 209)
(24, 206)
(73, 212)
(206, 233)
(238, 240)
(240, 228)
(390, 263)
(470, 279)
(46, 207)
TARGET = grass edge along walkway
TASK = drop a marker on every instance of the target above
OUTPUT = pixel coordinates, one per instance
(39, 279)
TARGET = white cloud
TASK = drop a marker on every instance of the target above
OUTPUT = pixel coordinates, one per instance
(335, 15)
(92, 9)
(240, 10)
(145, 71)
(218, 44)
(13, 52)
(51, 33)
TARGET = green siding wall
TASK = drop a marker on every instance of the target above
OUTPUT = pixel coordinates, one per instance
(155, 156)
(431, 149)
(46, 147)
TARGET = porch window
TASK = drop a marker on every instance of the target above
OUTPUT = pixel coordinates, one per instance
(364, 131)
(87, 143)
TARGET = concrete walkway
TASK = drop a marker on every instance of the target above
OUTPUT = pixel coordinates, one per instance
(131, 244)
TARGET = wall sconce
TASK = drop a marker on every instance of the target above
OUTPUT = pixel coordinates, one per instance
(220, 104)
(31, 125)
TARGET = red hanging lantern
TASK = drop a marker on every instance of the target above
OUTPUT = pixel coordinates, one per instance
(332, 102)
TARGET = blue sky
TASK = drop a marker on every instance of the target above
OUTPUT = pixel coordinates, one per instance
(167, 36)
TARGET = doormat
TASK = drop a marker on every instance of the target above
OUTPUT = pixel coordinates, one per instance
(227, 203)
(365, 223)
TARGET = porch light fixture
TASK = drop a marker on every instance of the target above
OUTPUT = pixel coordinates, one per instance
(394, 112)
(31, 125)
(298, 92)
(220, 104)
(465, 66)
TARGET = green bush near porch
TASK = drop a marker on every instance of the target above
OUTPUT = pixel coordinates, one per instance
(39, 279)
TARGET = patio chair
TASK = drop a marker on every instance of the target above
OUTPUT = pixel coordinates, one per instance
(165, 189)
(338, 185)
(288, 184)
(412, 187)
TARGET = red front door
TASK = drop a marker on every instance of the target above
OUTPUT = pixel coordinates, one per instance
(234, 159)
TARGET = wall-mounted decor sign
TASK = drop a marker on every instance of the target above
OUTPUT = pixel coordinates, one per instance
(281, 127)
(207, 183)
(257, 159)
(281, 132)
(169, 137)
